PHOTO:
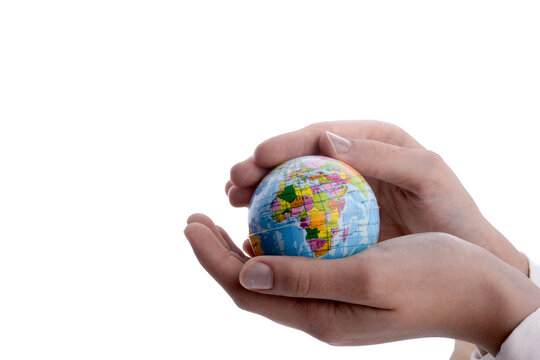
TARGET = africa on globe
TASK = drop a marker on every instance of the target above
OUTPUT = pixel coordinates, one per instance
(313, 206)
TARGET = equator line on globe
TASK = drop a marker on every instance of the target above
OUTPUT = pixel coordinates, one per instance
(313, 206)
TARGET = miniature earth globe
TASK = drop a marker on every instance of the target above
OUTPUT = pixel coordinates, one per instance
(313, 206)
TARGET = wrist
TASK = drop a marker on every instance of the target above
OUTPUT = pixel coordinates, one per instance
(509, 298)
(496, 243)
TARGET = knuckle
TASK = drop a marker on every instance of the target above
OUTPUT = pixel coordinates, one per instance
(368, 283)
(392, 128)
(302, 284)
(263, 155)
(431, 160)
(372, 149)
(369, 279)
(433, 167)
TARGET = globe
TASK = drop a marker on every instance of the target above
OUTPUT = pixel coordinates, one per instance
(313, 206)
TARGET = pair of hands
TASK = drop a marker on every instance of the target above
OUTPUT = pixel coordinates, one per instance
(421, 279)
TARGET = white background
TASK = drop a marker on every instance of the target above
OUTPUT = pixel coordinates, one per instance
(118, 119)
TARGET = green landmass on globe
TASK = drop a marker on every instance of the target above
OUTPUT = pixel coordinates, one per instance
(313, 206)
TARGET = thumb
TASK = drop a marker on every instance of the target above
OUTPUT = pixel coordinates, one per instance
(409, 168)
(347, 279)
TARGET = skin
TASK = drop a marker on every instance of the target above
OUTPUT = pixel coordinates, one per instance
(416, 191)
(430, 284)
(439, 269)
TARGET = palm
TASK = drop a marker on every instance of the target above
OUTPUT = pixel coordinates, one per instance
(389, 199)
(317, 297)
(399, 213)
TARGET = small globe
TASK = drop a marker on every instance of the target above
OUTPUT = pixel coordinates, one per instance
(313, 206)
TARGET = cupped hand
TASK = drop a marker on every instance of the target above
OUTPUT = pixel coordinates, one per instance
(430, 284)
(416, 191)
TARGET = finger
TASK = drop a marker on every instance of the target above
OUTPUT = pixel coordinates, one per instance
(206, 221)
(247, 248)
(225, 269)
(220, 234)
(247, 173)
(302, 277)
(279, 149)
(232, 245)
(212, 255)
(239, 197)
(228, 186)
(411, 169)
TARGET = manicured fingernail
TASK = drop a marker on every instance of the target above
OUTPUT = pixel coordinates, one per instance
(340, 145)
(257, 277)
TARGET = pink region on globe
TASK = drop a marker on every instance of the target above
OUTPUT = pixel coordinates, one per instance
(296, 211)
(315, 189)
(308, 202)
(305, 222)
(331, 188)
(316, 244)
(335, 178)
(276, 205)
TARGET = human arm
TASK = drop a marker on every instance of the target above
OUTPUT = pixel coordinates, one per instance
(417, 192)
(418, 285)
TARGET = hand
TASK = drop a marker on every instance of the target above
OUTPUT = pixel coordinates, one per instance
(431, 284)
(417, 192)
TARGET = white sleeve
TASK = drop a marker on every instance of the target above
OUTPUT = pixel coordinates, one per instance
(524, 342)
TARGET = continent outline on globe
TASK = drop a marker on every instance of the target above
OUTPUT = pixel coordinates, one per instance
(327, 199)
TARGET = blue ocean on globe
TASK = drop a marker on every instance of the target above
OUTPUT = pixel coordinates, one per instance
(313, 206)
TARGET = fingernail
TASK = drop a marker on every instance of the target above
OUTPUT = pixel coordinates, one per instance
(257, 276)
(340, 145)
